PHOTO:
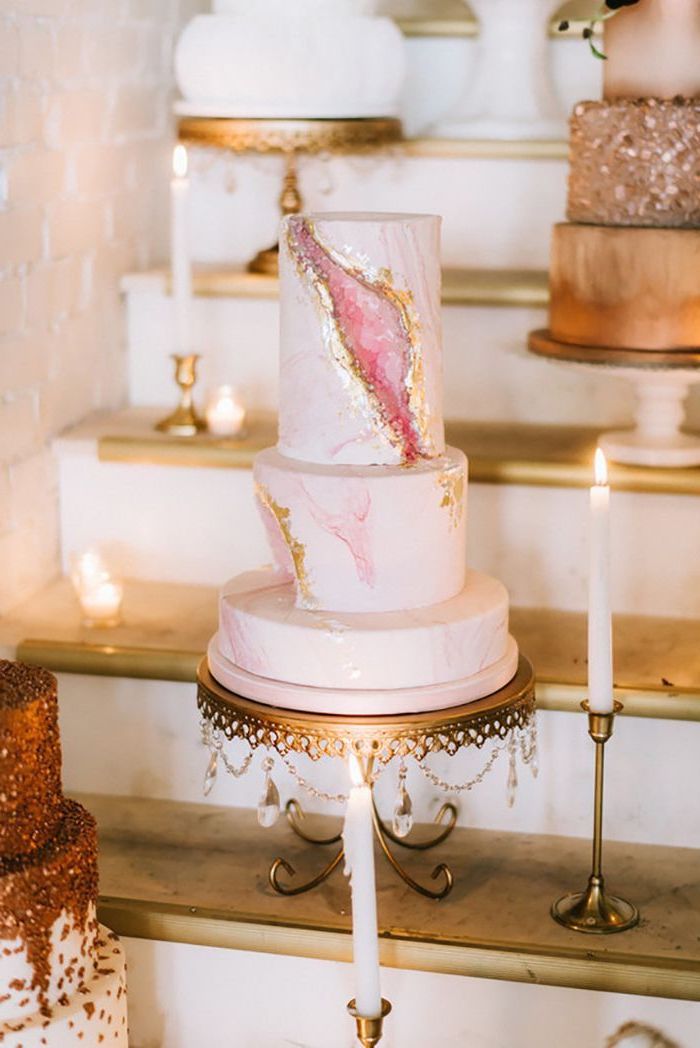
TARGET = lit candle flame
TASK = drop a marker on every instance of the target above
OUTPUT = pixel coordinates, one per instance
(180, 161)
(356, 775)
(600, 468)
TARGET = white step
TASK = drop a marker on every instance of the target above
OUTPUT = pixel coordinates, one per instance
(489, 375)
(200, 525)
(155, 751)
(261, 1001)
(497, 211)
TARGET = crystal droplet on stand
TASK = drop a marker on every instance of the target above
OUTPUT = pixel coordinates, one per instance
(512, 784)
(210, 773)
(269, 806)
(402, 822)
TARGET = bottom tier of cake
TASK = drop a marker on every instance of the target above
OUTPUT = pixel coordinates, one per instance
(433, 657)
(94, 1014)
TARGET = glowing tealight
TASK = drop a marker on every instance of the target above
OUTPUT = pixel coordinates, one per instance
(225, 413)
(99, 595)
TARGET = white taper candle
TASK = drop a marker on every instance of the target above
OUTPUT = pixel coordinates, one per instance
(600, 660)
(180, 262)
(358, 840)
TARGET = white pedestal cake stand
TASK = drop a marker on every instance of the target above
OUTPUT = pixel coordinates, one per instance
(662, 380)
(511, 95)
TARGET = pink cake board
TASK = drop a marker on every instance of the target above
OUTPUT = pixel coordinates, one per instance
(362, 703)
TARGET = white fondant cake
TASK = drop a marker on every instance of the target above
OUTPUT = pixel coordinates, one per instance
(369, 608)
(290, 59)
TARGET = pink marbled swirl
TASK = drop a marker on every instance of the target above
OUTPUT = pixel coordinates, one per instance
(367, 538)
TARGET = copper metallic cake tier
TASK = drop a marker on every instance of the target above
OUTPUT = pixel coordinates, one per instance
(626, 288)
(635, 162)
(30, 758)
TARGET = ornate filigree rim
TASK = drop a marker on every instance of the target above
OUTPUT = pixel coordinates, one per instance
(289, 136)
(323, 735)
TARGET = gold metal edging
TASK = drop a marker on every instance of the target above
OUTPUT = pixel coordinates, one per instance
(110, 660)
(602, 970)
(154, 450)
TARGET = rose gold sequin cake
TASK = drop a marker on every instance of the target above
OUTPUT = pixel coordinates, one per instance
(62, 976)
(635, 162)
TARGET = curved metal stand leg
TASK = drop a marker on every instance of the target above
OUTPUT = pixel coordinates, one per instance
(448, 810)
(296, 815)
(442, 870)
(282, 864)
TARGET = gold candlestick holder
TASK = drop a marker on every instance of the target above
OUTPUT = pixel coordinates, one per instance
(184, 420)
(369, 1031)
(593, 910)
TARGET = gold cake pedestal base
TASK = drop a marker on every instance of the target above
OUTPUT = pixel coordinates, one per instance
(374, 742)
(290, 138)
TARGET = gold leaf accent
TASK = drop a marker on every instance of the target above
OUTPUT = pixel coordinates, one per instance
(297, 549)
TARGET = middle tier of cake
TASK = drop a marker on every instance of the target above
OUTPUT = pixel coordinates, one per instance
(366, 538)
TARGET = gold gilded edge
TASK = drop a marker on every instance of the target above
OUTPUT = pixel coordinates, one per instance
(669, 977)
(297, 550)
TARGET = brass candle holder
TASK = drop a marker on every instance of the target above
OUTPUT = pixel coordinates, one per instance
(369, 1031)
(184, 420)
(593, 910)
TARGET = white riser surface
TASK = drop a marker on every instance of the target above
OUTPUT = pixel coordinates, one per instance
(200, 525)
(496, 213)
(488, 373)
(155, 751)
(248, 1000)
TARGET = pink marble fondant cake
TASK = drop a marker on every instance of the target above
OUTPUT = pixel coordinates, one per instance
(369, 607)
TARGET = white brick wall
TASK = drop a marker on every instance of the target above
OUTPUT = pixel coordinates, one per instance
(85, 140)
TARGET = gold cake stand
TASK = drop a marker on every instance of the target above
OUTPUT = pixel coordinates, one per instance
(290, 138)
(374, 741)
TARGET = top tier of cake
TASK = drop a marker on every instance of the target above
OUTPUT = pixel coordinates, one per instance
(30, 759)
(360, 346)
(653, 50)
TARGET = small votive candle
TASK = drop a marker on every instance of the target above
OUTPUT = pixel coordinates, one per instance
(99, 595)
(225, 413)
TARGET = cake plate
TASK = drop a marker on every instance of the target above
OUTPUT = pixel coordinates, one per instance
(506, 715)
(288, 137)
(661, 379)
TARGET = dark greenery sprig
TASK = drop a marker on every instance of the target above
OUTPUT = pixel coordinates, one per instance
(609, 9)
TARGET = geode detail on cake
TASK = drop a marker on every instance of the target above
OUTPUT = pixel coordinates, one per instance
(635, 162)
(372, 335)
(360, 351)
(369, 608)
(62, 976)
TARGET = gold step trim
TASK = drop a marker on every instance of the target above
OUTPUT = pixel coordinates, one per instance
(167, 627)
(515, 288)
(499, 453)
(444, 18)
(150, 850)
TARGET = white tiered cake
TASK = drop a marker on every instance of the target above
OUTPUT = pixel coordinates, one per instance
(369, 608)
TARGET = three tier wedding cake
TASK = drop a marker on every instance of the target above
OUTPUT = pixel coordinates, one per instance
(369, 607)
(62, 975)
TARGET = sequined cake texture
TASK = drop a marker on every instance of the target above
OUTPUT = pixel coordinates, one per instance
(635, 162)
